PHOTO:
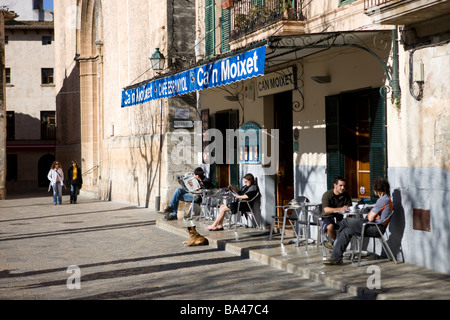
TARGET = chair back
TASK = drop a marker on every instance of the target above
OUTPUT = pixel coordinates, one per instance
(385, 222)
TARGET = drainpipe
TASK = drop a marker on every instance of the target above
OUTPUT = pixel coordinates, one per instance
(395, 77)
(158, 196)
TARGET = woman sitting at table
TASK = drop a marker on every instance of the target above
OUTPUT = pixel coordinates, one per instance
(352, 226)
(249, 191)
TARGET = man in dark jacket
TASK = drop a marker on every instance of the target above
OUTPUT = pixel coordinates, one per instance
(75, 180)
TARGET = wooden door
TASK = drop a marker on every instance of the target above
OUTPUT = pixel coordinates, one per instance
(285, 173)
(225, 174)
(363, 188)
(356, 140)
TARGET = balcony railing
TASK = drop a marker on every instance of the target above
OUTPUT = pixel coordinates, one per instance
(249, 15)
(373, 3)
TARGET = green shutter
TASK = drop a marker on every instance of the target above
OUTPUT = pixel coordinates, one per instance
(226, 29)
(210, 42)
(377, 123)
(335, 159)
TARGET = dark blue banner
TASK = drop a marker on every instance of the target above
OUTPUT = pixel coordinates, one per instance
(236, 68)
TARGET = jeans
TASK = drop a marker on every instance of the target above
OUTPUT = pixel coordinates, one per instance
(73, 193)
(350, 227)
(179, 194)
(57, 192)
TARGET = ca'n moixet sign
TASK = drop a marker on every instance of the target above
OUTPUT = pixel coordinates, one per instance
(276, 82)
(235, 68)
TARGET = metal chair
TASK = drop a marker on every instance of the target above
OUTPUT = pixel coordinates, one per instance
(293, 205)
(358, 240)
(247, 211)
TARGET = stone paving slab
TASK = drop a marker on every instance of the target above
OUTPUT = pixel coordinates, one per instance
(379, 279)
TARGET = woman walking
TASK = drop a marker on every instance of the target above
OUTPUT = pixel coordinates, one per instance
(56, 177)
(75, 181)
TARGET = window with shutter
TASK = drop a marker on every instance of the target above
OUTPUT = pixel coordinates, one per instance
(226, 29)
(335, 161)
(210, 42)
(346, 155)
(377, 135)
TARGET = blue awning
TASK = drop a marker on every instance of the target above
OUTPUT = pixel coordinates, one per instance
(228, 70)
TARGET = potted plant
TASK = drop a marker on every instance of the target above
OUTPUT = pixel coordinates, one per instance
(288, 11)
(227, 4)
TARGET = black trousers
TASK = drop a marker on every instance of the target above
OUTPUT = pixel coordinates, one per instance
(349, 228)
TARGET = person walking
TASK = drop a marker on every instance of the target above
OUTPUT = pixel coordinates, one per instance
(56, 177)
(75, 181)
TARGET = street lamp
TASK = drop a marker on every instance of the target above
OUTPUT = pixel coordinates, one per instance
(157, 61)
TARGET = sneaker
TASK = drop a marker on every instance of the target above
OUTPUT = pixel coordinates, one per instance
(332, 261)
(328, 245)
(170, 217)
(169, 209)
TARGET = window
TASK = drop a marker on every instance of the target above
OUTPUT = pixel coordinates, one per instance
(8, 75)
(356, 139)
(48, 125)
(6, 39)
(225, 21)
(249, 143)
(10, 125)
(210, 42)
(46, 40)
(47, 75)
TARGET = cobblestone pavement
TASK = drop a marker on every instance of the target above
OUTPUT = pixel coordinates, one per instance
(120, 253)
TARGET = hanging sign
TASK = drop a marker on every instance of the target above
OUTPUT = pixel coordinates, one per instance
(276, 82)
(235, 68)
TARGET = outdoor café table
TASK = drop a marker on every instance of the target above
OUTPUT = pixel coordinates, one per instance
(299, 209)
(308, 213)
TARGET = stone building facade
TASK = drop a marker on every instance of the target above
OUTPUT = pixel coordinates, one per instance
(103, 47)
(30, 95)
(357, 106)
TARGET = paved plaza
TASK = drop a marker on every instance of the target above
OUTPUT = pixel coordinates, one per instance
(119, 252)
(105, 250)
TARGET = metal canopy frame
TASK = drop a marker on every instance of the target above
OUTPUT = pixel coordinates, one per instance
(283, 49)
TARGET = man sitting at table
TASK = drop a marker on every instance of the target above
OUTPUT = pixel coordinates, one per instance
(353, 226)
(183, 195)
(336, 199)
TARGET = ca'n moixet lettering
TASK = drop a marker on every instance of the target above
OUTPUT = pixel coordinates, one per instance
(239, 68)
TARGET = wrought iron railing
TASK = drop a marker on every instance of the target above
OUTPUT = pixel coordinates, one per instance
(250, 15)
(373, 3)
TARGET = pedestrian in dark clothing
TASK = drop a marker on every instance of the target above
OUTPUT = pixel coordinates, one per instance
(75, 180)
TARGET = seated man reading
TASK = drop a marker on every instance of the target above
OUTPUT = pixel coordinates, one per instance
(183, 195)
(336, 199)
